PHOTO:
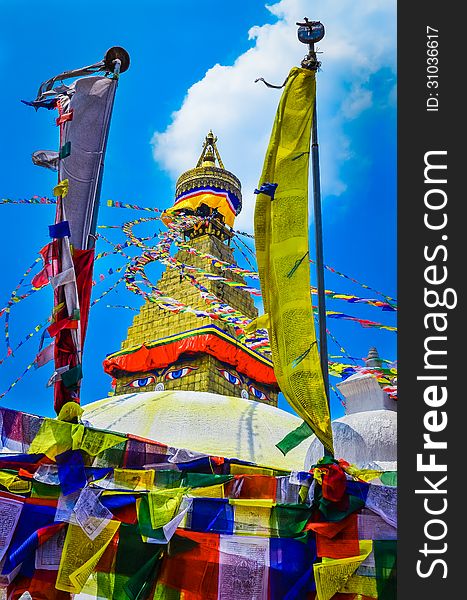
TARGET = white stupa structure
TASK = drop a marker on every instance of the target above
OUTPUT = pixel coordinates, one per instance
(367, 434)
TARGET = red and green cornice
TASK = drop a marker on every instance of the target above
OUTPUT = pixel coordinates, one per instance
(208, 339)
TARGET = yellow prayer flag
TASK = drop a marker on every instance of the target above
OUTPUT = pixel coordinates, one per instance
(134, 479)
(80, 555)
(252, 518)
(14, 484)
(363, 474)
(318, 474)
(332, 574)
(249, 470)
(55, 437)
(261, 322)
(57, 308)
(281, 234)
(70, 412)
(163, 505)
(362, 585)
(262, 502)
(94, 442)
(61, 189)
(212, 491)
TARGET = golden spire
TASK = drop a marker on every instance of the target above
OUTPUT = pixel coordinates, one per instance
(210, 152)
(208, 173)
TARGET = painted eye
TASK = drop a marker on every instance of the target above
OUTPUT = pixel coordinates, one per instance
(143, 382)
(231, 378)
(257, 393)
(179, 373)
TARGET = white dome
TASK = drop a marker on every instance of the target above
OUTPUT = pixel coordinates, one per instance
(203, 422)
(366, 439)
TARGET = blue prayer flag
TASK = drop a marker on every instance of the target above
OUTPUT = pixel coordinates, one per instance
(71, 471)
(59, 230)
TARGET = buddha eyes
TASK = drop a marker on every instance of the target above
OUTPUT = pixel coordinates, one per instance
(179, 373)
(252, 390)
(175, 374)
(231, 378)
(257, 393)
(142, 382)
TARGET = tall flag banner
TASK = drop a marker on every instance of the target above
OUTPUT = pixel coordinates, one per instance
(84, 113)
(281, 234)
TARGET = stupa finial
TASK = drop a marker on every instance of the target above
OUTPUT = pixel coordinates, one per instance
(209, 189)
(373, 359)
(210, 152)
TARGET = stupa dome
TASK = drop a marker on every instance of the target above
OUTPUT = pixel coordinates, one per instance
(365, 439)
(203, 422)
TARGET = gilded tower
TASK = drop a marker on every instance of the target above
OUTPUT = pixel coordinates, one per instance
(185, 351)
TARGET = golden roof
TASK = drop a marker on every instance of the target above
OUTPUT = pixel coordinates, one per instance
(206, 173)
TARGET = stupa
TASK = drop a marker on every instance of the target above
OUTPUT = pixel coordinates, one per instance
(186, 380)
(367, 434)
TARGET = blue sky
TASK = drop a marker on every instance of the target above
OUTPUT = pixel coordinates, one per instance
(193, 68)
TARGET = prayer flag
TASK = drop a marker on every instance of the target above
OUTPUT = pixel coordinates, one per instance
(61, 189)
(59, 230)
(281, 234)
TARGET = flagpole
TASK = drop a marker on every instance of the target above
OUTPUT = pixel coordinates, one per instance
(323, 343)
(310, 32)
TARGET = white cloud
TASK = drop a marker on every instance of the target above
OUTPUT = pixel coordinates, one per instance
(359, 41)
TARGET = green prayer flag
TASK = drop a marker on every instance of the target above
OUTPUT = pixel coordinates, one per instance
(385, 552)
(288, 520)
(132, 551)
(194, 480)
(65, 150)
(165, 593)
(294, 438)
(389, 478)
(330, 512)
(106, 585)
(144, 518)
(111, 457)
(139, 586)
(44, 490)
(72, 377)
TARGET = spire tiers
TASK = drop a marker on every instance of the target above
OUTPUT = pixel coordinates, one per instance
(373, 360)
(209, 175)
(210, 191)
(206, 173)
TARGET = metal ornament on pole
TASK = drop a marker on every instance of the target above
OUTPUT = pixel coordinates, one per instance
(310, 32)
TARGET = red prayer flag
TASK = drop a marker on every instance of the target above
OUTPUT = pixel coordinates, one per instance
(65, 351)
(42, 278)
(334, 483)
(55, 328)
(257, 486)
(337, 540)
(41, 587)
(194, 571)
